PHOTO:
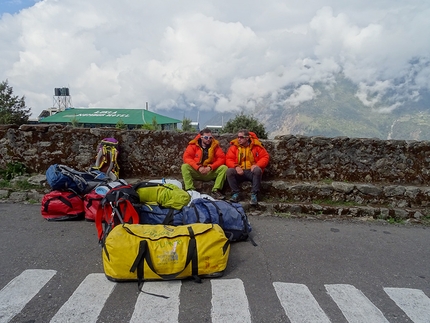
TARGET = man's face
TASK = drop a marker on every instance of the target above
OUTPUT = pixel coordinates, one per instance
(242, 139)
(207, 138)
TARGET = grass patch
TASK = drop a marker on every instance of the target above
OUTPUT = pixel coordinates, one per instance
(285, 215)
(426, 220)
(5, 184)
(12, 170)
(327, 181)
(392, 220)
(25, 185)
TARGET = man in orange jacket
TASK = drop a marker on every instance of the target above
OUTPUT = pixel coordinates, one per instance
(204, 160)
(246, 159)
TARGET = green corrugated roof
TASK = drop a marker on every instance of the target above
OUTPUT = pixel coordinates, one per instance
(108, 116)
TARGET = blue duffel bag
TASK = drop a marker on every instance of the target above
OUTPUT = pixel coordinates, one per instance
(155, 214)
(230, 216)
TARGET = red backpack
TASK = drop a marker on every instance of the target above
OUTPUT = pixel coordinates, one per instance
(116, 208)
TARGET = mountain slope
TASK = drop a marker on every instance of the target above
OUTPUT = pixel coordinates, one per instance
(336, 111)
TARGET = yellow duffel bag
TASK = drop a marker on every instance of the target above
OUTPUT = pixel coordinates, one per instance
(163, 252)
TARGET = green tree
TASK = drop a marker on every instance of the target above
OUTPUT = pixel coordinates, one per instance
(242, 121)
(12, 108)
(120, 125)
(75, 122)
(186, 125)
(155, 124)
(151, 126)
(147, 126)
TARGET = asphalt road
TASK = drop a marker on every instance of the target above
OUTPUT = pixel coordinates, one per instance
(335, 263)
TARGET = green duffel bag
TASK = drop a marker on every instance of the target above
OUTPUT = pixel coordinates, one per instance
(166, 195)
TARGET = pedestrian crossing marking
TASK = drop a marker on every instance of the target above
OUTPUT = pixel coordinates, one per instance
(150, 308)
(356, 307)
(413, 302)
(299, 304)
(229, 301)
(20, 290)
(86, 302)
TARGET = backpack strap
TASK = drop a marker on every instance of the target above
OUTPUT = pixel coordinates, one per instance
(196, 212)
(115, 206)
(168, 220)
(149, 184)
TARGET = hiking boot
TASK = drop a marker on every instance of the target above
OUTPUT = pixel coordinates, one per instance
(254, 200)
(217, 195)
(235, 198)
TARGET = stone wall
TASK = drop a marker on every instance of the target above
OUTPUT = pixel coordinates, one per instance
(156, 154)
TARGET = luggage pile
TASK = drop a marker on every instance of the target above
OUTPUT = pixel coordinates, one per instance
(76, 194)
(150, 230)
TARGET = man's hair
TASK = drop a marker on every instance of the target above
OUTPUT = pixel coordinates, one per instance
(245, 132)
(205, 130)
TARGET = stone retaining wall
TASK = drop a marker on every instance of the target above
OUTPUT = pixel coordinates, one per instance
(156, 154)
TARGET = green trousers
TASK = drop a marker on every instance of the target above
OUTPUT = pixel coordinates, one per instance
(189, 174)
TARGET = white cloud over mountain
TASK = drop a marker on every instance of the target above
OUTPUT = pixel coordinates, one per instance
(223, 55)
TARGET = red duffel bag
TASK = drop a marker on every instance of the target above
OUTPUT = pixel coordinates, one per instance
(62, 205)
(91, 204)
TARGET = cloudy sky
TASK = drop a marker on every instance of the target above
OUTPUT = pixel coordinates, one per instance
(214, 55)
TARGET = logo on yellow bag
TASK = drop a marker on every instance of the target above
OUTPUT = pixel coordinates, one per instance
(169, 256)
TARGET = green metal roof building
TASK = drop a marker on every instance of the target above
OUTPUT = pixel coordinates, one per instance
(108, 117)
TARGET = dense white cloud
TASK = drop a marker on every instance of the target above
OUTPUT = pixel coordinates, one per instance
(223, 55)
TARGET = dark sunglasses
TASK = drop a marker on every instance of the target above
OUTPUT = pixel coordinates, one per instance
(242, 137)
(207, 137)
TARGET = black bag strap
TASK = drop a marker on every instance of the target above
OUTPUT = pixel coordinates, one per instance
(80, 182)
(91, 200)
(144, 254)
(196, 212)
(60, 198)
(168, 220)
(120, 193)
(63, 199)
(149, 184)
(138, 264)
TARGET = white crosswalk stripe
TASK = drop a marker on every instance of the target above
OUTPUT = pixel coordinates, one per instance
(413, 302)
(86, 302)
(299, 304)
(356, 307)
(155, 309)
(15, 295)
(229, 301)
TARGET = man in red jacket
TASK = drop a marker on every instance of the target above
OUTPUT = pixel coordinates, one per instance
(204, 160)
(246, 159)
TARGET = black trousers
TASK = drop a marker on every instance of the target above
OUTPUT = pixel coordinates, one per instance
(234, 179)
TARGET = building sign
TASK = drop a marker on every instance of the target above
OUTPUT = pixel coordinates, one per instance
(100, 113)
